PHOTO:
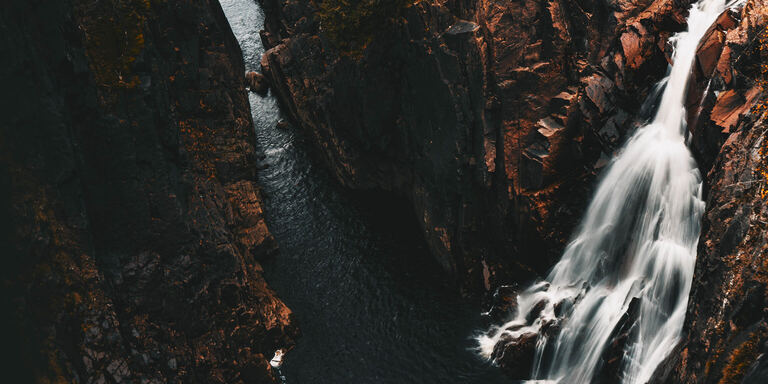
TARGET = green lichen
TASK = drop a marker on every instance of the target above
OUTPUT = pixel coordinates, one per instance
(353, 24)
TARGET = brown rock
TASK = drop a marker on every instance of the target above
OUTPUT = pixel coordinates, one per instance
(708, 53)
(515, 355)
(630, 44)
(724, 69)
(729, 19)
(503, 303)
(731, 106)
(256, 82)
(598, 89)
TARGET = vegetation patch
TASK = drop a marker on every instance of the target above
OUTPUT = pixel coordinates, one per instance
(351, 25)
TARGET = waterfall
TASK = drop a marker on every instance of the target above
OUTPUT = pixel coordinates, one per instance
(631, 262)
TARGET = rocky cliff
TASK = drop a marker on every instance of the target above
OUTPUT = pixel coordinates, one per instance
(726, 329)
(132, 223)
(491, 117)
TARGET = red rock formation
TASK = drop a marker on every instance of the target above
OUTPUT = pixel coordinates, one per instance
(718, 96)
(492, 117)
(132, 223)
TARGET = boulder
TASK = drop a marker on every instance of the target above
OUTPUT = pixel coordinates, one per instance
(515, 355)
(256, 82)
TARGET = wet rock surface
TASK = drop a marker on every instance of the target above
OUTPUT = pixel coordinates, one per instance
(491, 117)
(503, 303)
(726, 327)
(133, 226)
(610, 369)
(515, 355)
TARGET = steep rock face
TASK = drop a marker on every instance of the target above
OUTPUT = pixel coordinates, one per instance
(132, 224)
(492, 117)
(726, 331)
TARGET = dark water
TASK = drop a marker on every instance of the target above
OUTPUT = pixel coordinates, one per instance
(371, 303)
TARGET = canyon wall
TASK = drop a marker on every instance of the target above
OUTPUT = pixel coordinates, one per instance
(726, 330)
(132, 223)
(492, 117)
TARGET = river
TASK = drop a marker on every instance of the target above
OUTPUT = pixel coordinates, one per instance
(371, 303)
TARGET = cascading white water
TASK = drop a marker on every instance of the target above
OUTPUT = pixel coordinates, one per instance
(637, 243)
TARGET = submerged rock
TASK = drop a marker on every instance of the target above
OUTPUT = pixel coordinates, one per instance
(516, 354)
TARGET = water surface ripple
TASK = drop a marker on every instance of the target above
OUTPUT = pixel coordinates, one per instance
(370, 302)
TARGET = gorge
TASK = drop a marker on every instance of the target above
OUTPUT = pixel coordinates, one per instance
(630, 265)
(578, 186)
(382, 311)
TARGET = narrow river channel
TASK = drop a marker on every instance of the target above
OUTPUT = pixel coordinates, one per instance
(372, 305)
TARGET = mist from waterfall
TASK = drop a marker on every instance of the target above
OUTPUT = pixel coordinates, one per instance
(630, 264)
